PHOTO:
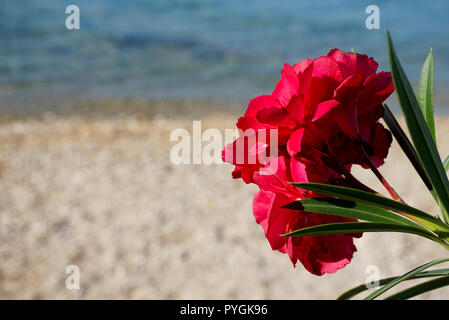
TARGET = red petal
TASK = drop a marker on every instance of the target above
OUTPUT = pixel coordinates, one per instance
(274, 220)
(324, 108)
(296, 108)
(299, 171)
(227, 154)
(262, 204)
(323, 254)
(302, 65)
(376, 89)
(237, 173)
(260, 103)
(275, 176)
(346, 94)
(287, 87)
(278, 221)
(245, 123)
(381, 143)
(321, 83)
(294, 143)
(272, 115)
(351, 63)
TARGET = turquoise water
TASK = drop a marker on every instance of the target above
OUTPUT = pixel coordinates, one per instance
(222, 49)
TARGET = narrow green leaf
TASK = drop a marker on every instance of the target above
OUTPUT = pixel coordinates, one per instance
(405, 145)
(405, 277)
(356, 227)
(419, 131)
(446, 164)
(350, 209)
(417, 215)
(363, 287)
(425, 93)
(420, 289)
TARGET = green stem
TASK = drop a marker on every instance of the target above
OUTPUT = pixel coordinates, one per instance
(420, 289)
(406, 276)
(425, 274)
(443, 210)
(379, 176)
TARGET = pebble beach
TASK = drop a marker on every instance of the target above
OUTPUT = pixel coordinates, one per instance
(100, 193)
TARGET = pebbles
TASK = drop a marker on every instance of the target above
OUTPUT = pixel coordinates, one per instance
(102, 194)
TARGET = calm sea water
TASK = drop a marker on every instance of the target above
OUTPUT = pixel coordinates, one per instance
(208, 49)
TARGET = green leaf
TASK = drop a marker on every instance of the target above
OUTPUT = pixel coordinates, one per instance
(405, 145)
(356, 227)
(425, 274)
(406, 276)
(425, 93)
(446, 164)
(419, 131)
(417, 215)
(420, 289)
(350, 209)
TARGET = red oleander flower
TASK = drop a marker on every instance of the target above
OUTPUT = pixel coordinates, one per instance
(325, 113)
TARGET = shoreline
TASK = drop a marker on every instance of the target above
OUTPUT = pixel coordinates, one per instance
(113, 108)
(148, 109)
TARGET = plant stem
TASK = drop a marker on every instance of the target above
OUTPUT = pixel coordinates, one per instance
(379, 176)
(406, 276)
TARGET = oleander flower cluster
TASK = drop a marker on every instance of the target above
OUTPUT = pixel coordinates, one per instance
(325, 113)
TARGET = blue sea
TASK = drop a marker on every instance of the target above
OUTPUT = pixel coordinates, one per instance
(197, 49)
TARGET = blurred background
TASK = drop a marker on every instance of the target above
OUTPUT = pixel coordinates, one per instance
(85, 121)
(227, 50)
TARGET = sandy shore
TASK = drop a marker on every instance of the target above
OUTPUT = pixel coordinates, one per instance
(101, 193)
